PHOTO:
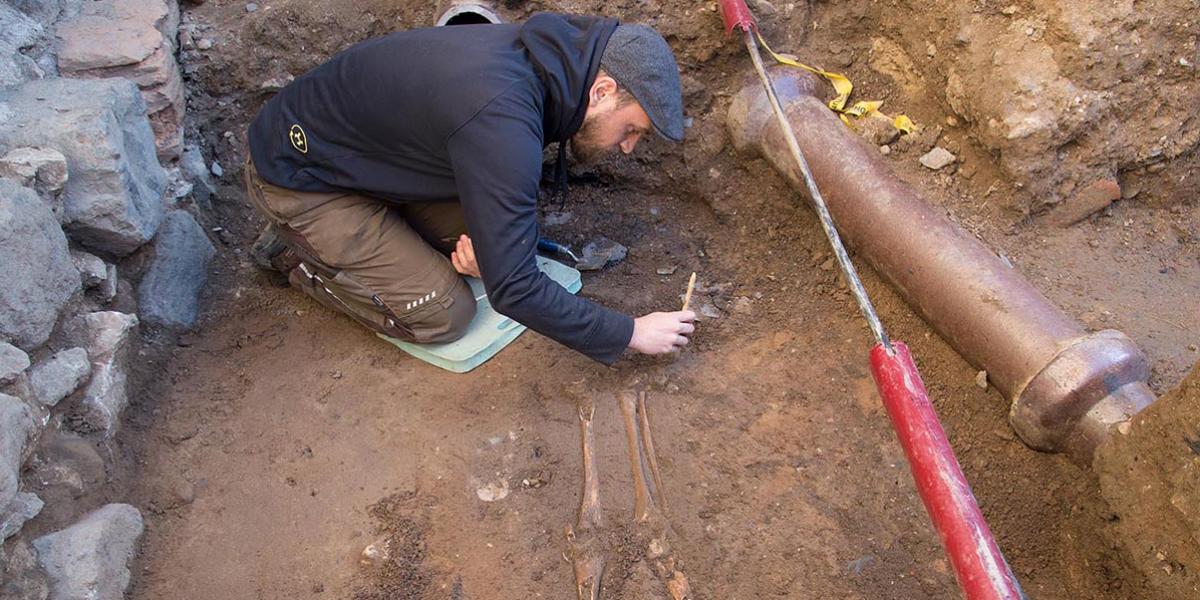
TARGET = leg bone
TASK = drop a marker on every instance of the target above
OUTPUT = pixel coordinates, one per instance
(587, 556)
(642, 494)
(651, 455)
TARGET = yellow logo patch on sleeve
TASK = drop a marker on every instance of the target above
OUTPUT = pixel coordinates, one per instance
(298, 139)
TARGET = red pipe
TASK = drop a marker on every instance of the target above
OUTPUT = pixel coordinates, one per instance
(982, 571)
(737, 15)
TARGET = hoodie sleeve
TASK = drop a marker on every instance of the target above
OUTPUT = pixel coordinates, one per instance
(496, 157)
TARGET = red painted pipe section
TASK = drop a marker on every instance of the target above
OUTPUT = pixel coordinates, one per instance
(982, 571)
(736, 14)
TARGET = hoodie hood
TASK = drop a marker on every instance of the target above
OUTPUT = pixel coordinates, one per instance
(565, 51)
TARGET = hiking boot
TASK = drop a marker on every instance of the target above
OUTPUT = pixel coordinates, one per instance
(466, 12)
(271, 253)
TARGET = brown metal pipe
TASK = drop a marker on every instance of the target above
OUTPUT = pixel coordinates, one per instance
(1067, 387)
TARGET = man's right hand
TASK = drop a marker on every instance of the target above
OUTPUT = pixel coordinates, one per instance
(662, 333)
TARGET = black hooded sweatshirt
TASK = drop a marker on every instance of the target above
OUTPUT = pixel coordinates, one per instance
(454, 113)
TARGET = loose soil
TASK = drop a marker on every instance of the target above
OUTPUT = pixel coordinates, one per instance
(299, 439)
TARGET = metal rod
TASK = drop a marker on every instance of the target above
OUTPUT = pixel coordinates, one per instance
(839, 249)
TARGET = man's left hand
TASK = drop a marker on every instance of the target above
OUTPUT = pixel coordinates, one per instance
(463, 257)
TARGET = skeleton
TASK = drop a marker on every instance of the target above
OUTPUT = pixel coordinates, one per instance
(585, 546)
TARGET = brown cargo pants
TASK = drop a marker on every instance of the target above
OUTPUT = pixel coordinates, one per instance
(384, 265)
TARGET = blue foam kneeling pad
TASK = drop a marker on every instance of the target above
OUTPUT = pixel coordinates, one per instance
(490, 331)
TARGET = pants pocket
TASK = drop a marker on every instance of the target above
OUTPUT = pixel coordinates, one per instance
(346, 295)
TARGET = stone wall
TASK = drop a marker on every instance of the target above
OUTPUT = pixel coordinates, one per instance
(100, 247)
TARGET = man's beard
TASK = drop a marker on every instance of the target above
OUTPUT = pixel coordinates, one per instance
(585, 148)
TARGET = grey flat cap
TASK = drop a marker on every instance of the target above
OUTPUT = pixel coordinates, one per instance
(642, 62)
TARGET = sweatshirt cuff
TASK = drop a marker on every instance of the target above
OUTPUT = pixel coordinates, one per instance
(611, 337)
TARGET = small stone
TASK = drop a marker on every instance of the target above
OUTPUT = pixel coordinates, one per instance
(828, 264)
(600, 253)
(764, 8)
(667, 270)
(59, 376)
(204, 44)
(251, 7)
(44, 169)
(981, 380)
(13, 362)
(105, 395)
(709, 311)
(1005, 434)
(743, 305)
(273, 84)
(877, 129)
(655, 549)
(216, 169)
(108, 290)
(92, 269)
(493, 492)
(557, 218)
(938, 158)
(885, 150)
(196, 170)
(1010, 10)
(1085, 202)
(377, 553)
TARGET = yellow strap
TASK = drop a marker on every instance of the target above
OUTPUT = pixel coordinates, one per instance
(843, 87)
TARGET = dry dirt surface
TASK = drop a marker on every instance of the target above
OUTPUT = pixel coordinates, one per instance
(275, 444)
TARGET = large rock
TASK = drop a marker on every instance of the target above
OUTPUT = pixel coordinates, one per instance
(59, 376)
(45, 12)
(20, 510)
(13, 362)
(169, 293)
(20, 32)
(113, 200)
(134, 39)
(107, 336)
(89, 560)
(40, 277)
(16, 428)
